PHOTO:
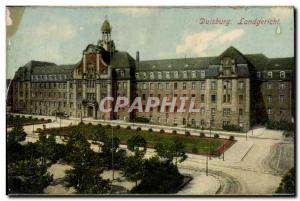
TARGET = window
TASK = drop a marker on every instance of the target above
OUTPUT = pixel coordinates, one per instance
(226, 123)
(213, 111)
(144, 75)
(144, 86)
(281, 98)
(226, 111)
(193, 74)
(213, 98)
(270, 74)
(282, 86)
(282, 74)
(226, 98)
(202, 98)
(202, 86)
(159, 86)
(167, 85)
(227, 84)
(202, 74)
(227, 72)
(151, 75)
(213, 85)
(184, 74)
(240, 112)
(193, 122)
(258, 74)
(175, 85)
(124, 85)
(241, 99)
(137, 75)
(241, 85)
(269, 85)
(270, 111)
(270, 99)
(202, 110)
(281, 111)
(159, 75)
(151, 86)
(122, 73)
(193, 85)
(184, 86)
(176, 74)
(167, 75)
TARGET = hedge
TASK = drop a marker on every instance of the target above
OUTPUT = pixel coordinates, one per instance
(232, 127)
(280, 125)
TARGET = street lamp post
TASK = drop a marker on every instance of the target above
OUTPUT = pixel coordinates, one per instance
(223, 152)
(210, 139)
(206, 164)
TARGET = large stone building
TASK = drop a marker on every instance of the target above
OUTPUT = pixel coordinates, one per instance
(230, 89)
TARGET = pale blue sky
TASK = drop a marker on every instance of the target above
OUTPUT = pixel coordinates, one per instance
(59, 34)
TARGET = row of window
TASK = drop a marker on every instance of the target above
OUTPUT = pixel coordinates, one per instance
(51, 103)
(282, 111)
(281, 85)
(174, 85)
(270, 74)
(213, 97)
(49, 85)
(50, 95)
(281, 98)
(48, 77)
(169, 75)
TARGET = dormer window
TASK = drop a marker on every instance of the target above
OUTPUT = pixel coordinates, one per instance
(151, 75)
(144, 75)
(184, 74)
(176, 74)
(122, 73)
(258, 74)
(282, 74)
(193, 74)
(202, 74)
(137, 75)
(159, 75)
(168, 75)
(270, 74)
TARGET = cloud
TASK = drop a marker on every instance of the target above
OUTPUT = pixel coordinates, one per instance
(137, 11)
(48, 38)
(61, 29)
(231, 35)
(282, 12)
(9, 21)
(197, 43)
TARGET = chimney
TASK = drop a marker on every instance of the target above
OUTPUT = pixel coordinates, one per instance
(137, 58)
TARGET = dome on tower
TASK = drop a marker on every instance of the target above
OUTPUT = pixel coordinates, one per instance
(106, 27)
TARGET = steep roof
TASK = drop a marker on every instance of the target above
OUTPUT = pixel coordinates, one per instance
(176, 64)
(234, 53)
(53, 69)
(121, 60)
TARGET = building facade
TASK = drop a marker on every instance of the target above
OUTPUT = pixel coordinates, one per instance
(230, 89)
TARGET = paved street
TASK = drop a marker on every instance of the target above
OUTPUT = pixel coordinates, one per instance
(261, 160)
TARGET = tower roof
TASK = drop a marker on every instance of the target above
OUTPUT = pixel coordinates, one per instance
(106, 27)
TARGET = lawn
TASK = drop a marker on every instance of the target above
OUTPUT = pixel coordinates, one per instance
(192, 143)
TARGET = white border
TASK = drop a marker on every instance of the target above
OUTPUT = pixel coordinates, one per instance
(4, 3)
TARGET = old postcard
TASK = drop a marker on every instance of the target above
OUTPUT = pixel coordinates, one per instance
(137, 101)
